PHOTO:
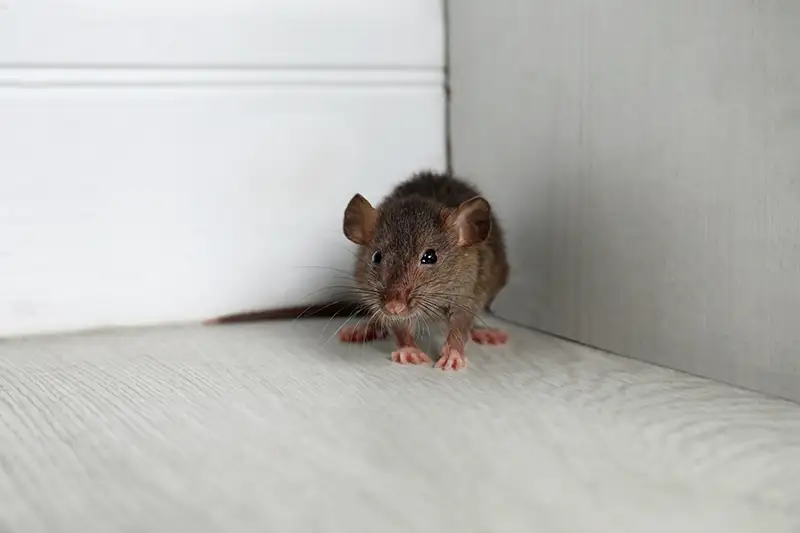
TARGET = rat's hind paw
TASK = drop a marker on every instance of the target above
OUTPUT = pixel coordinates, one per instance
(489, 336)
(410, 356)
(361, 334)
(451, 359)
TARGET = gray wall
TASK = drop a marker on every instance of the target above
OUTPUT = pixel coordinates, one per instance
(645, 158)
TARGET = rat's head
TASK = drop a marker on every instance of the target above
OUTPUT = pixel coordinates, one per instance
(416, 255)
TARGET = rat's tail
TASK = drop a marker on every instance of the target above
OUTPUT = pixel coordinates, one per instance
(328, 310)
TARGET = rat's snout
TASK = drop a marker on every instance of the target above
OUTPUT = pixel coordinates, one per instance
(396, 307)
(397, 302)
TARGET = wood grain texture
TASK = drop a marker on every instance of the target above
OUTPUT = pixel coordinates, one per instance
(263, 427)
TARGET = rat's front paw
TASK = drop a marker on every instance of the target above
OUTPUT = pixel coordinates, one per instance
(361, 334)
(410, 356)
(451, 359)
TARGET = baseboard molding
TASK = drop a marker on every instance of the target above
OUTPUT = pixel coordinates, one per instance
(121, 76)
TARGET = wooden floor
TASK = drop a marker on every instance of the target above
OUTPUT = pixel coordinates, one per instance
(268, 428)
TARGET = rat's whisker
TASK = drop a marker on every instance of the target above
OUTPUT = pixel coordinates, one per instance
(338, 329)
(331, 269)
(433, 315)
(455, 296)
(355, 330)
(432, 311)
(327, 305)
(304, 311)
(377, 333)
(474, 315)
(347, 288)
(325, 328)
(457, 305)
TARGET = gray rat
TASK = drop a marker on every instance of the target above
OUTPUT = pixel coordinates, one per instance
(430, 251)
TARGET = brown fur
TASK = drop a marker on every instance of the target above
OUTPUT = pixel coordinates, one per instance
(429, 211)
(421, 213)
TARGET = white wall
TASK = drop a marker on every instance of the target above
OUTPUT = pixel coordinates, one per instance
(172, 160)
(644, 157)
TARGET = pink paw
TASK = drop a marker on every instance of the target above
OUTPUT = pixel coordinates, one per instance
(451, 359)
(410, 356)
(489, 336)
(361, 334)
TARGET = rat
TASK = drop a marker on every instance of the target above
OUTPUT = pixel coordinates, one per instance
(431, 252)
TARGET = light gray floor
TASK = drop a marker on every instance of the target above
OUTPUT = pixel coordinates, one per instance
(263, 428)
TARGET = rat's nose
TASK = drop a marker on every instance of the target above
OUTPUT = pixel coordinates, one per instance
(396, 307)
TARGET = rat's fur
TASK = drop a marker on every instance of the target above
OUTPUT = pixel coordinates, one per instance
(428, 211)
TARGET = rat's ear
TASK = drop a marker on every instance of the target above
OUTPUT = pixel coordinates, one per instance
(360, 219)
(472, 221)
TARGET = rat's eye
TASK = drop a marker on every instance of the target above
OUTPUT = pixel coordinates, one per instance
(428, 258)
(376, 258)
